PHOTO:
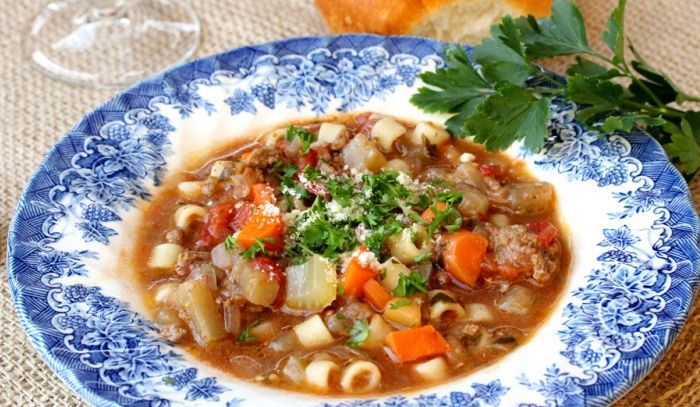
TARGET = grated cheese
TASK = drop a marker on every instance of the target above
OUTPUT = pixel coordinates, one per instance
(269, 210)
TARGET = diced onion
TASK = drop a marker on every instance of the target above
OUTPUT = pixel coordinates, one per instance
(318, 373)
(474, 202)
(198, 302)
(499, 219)
(204, 272)
(232, 319)
(469, 174)
(398, 164)
(386, 131)
(313, 333)
(221, 258)
(285, 342)
(264, 330)
(432, 370)
(165, 256)
(360, 377)
(362, 155)
(518, 300)
(311, 286)
(530, 198)
(427, 132)
(293, 370)
(259, 287)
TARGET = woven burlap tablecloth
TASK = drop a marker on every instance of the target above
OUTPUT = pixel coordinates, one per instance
(36, 111)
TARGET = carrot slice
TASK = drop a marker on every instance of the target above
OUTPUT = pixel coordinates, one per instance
(262, 226)
(376, 294)
(418, 343)
(462, 255)
(428, 214)
(262, 194)
(356, 275)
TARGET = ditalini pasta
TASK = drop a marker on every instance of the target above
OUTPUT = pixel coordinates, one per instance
(356, 254)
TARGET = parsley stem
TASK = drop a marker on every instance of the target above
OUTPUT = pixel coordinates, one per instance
(662, 111)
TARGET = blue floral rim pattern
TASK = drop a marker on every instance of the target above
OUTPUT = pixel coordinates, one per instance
(616, 327)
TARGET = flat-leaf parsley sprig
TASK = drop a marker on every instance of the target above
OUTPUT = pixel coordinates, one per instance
(508, 97)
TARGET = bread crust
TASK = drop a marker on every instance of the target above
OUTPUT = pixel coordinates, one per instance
(396, 17)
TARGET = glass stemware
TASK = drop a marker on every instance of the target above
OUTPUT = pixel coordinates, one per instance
(109, 43)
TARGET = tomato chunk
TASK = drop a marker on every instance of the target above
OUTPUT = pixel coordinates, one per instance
(545, 231)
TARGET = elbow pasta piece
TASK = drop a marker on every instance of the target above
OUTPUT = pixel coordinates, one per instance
(403, 247)
(427, 132)
(476, 312)
(192, 189)
(165, 256)
(393, 269)
(386, 131)
(318, 373)
(330, 132)
(360, 377)
(432, 370)
(163, 292)
(185, 214)
(440, 307)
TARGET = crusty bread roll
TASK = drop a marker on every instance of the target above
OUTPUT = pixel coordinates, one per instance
(450, 20)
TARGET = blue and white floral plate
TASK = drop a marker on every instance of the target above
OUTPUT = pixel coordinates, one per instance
(633, 231)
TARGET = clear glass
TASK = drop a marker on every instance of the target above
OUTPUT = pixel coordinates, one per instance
(110, 43)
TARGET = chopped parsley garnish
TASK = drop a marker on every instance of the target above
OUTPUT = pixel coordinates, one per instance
(449, 217)
(341, 292)
(375, 240)
(450, 197)
(358, 333)
(422, 257)
(245, 336)
(400, 303)
(257, 248)
(342, 189)
(409, 284)
(305, 137)
(316, 233)
(340, 316)
(230, 243)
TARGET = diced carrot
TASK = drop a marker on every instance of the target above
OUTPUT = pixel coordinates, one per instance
(356, 275)
(462, 255)
(415, 344)
(262, 226)
(428, 214)
(262, 194)
(376, 294)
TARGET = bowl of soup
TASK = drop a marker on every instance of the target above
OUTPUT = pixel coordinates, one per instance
(278, 224)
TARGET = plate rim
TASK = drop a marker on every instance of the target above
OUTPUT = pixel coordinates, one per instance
(68, 376)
